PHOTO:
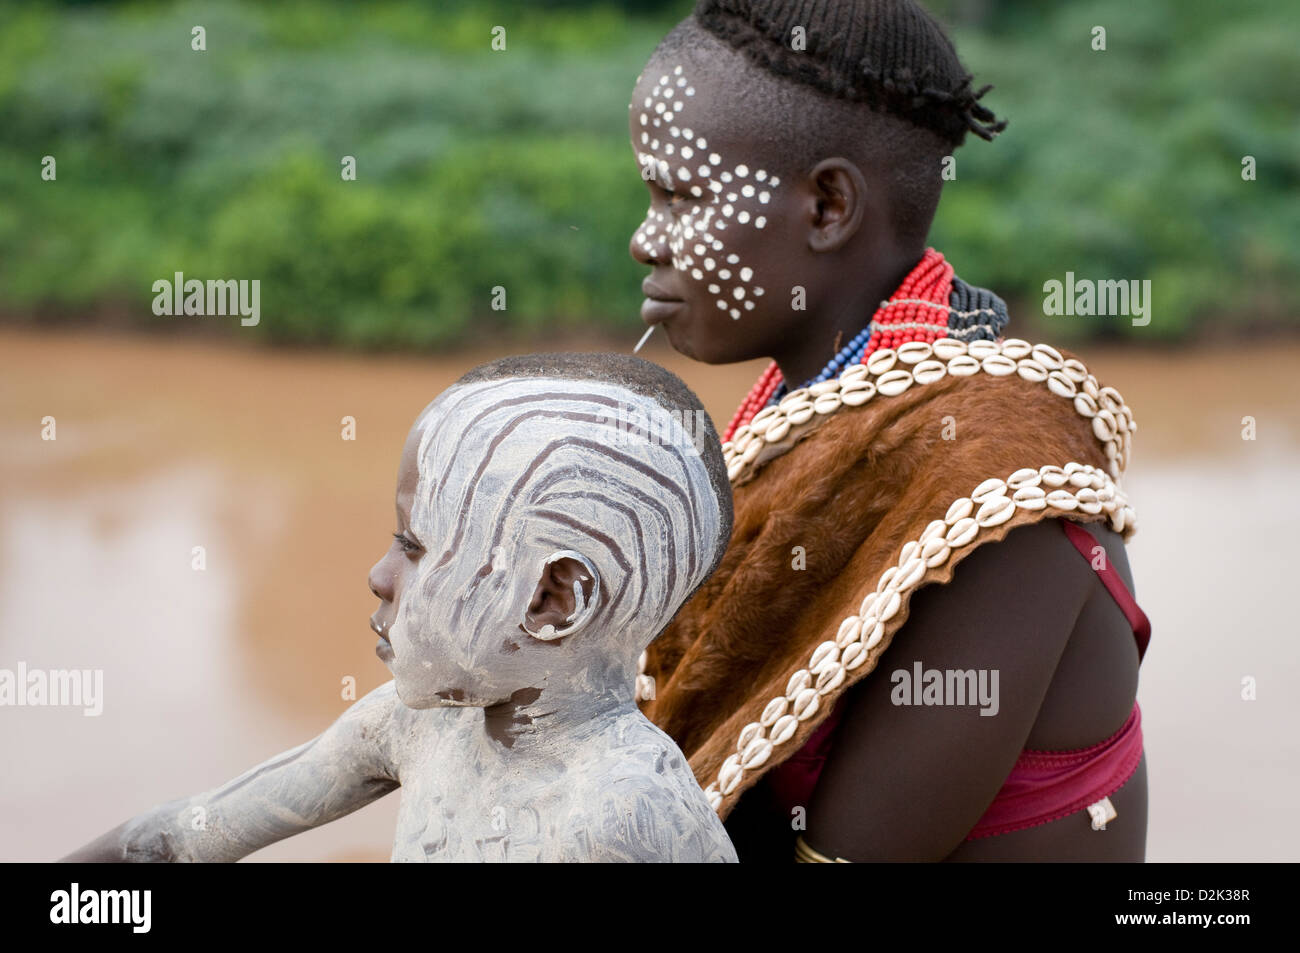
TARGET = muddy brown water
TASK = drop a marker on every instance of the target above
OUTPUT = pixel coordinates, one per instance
(167, 445)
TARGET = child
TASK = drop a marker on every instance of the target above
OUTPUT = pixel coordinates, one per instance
(552, 515)
(794, 154)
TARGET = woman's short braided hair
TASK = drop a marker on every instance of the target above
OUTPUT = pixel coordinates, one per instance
(889, 54)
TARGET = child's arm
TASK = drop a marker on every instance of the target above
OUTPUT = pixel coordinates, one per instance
(339, 771)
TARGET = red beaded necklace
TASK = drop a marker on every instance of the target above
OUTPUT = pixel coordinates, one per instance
(917, 311)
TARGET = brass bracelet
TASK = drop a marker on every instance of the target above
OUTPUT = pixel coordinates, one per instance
(803, 854)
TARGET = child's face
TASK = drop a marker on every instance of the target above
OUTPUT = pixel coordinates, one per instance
(719, 233)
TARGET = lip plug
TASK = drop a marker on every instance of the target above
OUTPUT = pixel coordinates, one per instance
(644, 338)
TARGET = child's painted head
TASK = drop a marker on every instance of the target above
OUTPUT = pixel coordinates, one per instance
(788, 147)
(553, 513)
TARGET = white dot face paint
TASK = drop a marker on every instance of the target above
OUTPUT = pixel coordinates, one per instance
(693, 230)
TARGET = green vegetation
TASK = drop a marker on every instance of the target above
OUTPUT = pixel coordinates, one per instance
(478, 168)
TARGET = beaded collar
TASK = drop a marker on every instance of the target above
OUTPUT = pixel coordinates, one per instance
(931, 303)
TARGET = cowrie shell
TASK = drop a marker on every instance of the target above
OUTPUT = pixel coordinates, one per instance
(1015, 348)
(890, 604)
(874, 634)
(827, 404)
(1084, 405)
(1053, 476)
(945, 349)
(1075, 370)
(806, 704)
(886, 579)
(799, 681)
(927, 372)
(755, 447)
(1062, 500)
(961, 507)
(882, 360)
(1031, 370)
(910, 574)
(756, 754)
(990, 487)
(913, 352)
(849, 631)
(783, 728)
(962, 532)
(778, 431)
(774, 710)
(1091, 387)
(728, 447)
(714, 796)
(1060, 385)
(1102, 429)
(729, 774)
(868, 604)
(799, 413)
(797, 396)
(932, 529)
(963, 365)
(764, 419)
(1026, 476)
(1118, 520)
(982, 349)
(826, 650)
(734, 468)
(858, 393)
(1048, 356)
(855, 653)
(854, 372)
(1030, 498)
(831, 678)
(998, 365)
(893, 383)
(1110, 398)
(823, 387)
(741, 439)
(747, 734)
(1081, 478)
(995, 510)
(910, 549)
(1089, 502)
(935, 551)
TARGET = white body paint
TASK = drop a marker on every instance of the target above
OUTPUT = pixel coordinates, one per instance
(512, 472)
(737, 197)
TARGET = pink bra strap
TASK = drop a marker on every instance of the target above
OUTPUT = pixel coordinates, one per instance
(1086, 544)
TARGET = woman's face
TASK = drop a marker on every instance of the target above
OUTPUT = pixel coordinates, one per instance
(719, 234)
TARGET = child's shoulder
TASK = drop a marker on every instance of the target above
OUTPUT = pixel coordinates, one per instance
(643, 802)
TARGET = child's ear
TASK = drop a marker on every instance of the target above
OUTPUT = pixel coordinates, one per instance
(840, 193)
(565, 598)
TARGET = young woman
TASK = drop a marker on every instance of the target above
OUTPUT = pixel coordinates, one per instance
(921, 643)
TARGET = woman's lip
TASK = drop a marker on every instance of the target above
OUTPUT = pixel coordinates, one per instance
(384, 650)
(657, 310)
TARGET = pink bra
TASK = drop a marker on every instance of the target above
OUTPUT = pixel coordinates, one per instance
(1043, 786)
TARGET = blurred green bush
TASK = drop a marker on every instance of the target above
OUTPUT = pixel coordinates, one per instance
(478, 169)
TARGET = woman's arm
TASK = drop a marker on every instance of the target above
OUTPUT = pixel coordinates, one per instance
(339, 771)
(908, 782)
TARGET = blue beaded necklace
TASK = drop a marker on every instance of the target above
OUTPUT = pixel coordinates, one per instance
(834, 368)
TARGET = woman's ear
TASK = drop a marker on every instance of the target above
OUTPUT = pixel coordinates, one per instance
(566, 596)
(839, 191)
